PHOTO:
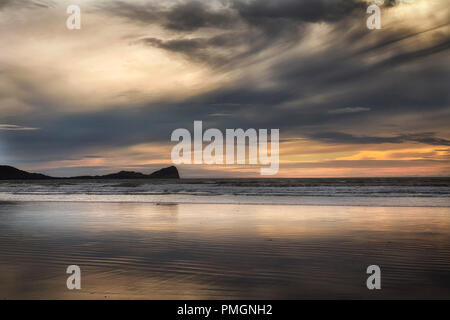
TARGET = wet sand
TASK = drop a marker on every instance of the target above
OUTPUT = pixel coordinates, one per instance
(222, 251)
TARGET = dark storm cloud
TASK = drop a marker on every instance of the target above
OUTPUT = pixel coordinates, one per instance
(398, 36)
(186, 16)
(248, 107)
(191, 46)
(139, 13)
(257, 25)
(194, 49)
(407, 57)
(271, 16)
(259, 11)
(280, 24)
(339, 137)
(220, 51)
(63, 135)
(343, 64)
(191, 16)
(406, 79)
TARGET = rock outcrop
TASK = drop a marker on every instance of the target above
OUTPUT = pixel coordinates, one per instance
(11, 173)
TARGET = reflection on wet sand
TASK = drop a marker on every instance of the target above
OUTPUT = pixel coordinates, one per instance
(206, 251)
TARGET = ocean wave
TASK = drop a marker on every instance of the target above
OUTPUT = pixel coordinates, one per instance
(402, 192)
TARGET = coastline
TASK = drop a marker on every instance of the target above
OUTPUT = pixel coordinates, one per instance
(405, 202)
(228, 251)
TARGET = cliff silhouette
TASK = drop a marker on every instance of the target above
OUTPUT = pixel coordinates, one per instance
(11, 173)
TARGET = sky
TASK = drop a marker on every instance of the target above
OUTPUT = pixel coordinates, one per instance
(348, 101)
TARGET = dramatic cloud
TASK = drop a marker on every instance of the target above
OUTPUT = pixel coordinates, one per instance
(348, 110)
(191, 16)
(338, 137)
(259, 11)
(185, 16)
(342, 96)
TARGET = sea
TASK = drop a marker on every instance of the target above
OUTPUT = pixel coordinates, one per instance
(226, 238)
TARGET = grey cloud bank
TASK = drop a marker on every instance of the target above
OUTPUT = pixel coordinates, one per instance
(310, 68)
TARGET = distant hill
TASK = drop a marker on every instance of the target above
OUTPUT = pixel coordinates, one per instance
(11, 173)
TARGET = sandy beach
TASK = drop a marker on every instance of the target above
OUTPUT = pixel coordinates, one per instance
(222, 251)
